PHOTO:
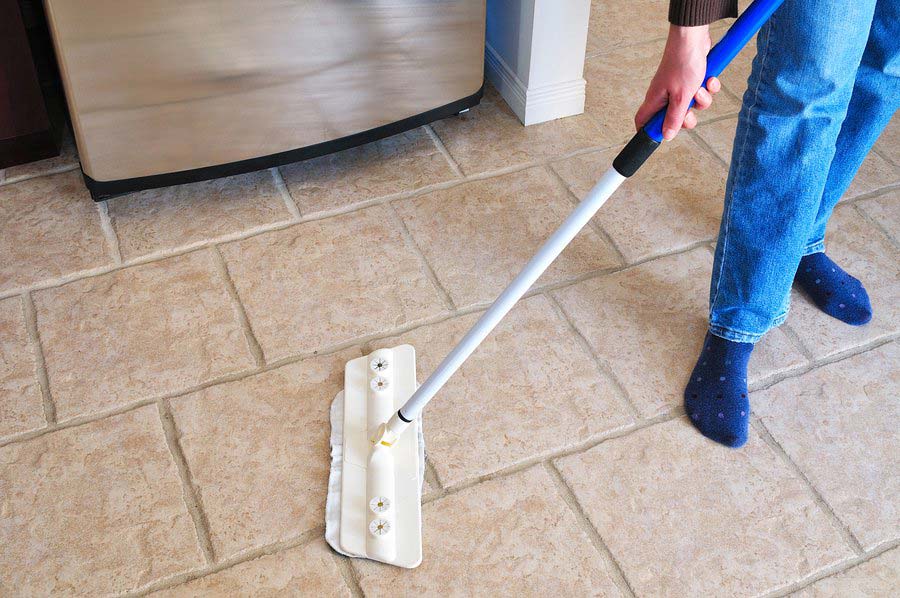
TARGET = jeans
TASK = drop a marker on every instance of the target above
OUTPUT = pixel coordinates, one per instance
(824, 83)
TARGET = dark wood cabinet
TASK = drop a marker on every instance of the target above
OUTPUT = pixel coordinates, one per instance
(31, 108)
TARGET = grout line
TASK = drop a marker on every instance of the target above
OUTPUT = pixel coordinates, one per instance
(602, 52)
(112, 239)
(439, 143)
(845, 532)
(714, 119)
(252, 344)
(37, 175)
(595, 226)
(884, 157)
(289, 202)
(870, 194)
(432, 477)
(798, 343)
(59, 281)
(34, 336)
(414, 247)
(815, 364)
(568, 495)
(349, 573)
(238, 559)
(878, 225)
(737, 97)
(75, 422)
(674, 413)
(604, 367)
(833, 570)
(189, 491)
(705, 146)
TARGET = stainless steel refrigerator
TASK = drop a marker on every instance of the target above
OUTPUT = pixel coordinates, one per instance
(164, 92)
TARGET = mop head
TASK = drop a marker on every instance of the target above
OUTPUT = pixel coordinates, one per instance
(373, 507)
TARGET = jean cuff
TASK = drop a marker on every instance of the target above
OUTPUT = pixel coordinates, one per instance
(744, 336)
(816, 247)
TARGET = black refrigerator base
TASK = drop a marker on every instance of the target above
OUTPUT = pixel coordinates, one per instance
(103, 190)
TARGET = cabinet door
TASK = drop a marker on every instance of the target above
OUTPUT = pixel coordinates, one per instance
(25, 129)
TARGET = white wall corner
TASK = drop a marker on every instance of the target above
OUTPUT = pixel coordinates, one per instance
(534, 56)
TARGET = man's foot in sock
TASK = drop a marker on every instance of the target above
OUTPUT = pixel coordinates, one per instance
(832, 290)
(716, 398)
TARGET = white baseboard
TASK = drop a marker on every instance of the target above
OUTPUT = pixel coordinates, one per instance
(535, 105)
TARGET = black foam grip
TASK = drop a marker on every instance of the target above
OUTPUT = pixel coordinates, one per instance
(635, 154)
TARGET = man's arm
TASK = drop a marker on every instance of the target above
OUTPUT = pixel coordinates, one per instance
(683, 65)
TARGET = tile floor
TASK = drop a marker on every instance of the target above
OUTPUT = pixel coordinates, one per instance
(167, 360)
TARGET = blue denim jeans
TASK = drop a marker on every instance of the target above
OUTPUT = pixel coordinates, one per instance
(824, 83)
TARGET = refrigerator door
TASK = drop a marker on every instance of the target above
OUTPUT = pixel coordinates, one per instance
(185, 86)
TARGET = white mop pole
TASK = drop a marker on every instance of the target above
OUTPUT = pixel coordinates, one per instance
(545, 256)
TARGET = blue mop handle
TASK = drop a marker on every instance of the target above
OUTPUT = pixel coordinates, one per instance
(744, 28)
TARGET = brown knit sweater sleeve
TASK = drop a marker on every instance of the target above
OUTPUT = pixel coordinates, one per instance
(690, 13)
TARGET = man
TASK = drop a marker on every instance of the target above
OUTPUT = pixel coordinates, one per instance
(824, 83)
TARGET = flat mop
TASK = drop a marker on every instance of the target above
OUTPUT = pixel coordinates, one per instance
(374, 501)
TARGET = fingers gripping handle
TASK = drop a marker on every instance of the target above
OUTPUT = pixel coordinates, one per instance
(741, 31)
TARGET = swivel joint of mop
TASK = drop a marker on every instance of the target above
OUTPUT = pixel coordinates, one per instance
(388, 432)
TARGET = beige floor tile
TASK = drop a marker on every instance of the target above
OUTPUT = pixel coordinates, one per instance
(93, 510)
(839, 425)
(492, 228)
(734, 78)
(513, 536)
(66, 160)
(490, 136)
(21, 405)
(875, 172)
(303, 571)
(885, 210)
(877, 577)
(866, 253)
(138, 333)
(404, 162)
(49, 227)
(258, 451)
(172, 217)
(530, 387)
(614, 25)
(648, 323)
(719, 135)
(775, 354)
(617, 82)
(889, 142)
(686, 517)
(671, 203)
(329, 281)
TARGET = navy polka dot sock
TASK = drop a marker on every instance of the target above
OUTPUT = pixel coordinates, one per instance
(716, 396)
(832, 290)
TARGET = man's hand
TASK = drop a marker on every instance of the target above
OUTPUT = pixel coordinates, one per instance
(678, 79)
